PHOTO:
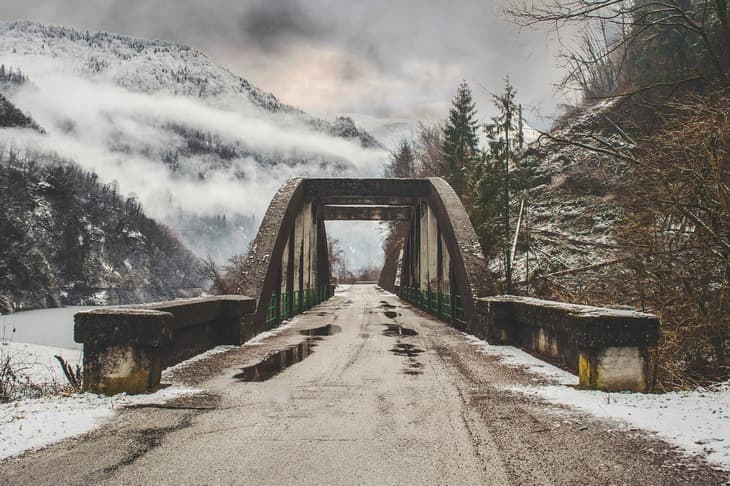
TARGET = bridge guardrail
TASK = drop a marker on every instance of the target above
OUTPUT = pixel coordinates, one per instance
(279, 310)
(610, 350)
(126, 348)
(445, 306)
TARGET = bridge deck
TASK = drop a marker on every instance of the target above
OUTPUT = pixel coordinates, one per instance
(391, 396)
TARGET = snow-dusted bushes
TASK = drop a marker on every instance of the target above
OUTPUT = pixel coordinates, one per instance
(677, 235)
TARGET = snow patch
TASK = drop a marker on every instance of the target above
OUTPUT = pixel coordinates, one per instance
(260, 338)
(32, 424)
(39, 362)
(516, 358)
(696, 421)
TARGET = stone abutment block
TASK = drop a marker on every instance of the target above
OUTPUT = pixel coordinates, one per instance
(611, 350)
(126, 348)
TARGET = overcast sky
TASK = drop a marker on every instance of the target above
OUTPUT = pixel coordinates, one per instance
(384, 58)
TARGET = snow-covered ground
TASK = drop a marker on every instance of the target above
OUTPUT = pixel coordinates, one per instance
(34, 423)
(697, 421)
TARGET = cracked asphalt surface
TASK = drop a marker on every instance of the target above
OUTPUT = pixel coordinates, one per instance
(391, 396)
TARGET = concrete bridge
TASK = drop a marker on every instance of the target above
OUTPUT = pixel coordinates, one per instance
(363, 388)
(361, 385)
(440, 269)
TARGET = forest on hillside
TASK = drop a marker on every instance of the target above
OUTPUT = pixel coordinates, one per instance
(625, 201)
(69, 239)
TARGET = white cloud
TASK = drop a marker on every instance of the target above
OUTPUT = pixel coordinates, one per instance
(122, 135)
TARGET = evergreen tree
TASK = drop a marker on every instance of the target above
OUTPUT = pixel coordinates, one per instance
(490, 181)
(402, 162)
(460, 141)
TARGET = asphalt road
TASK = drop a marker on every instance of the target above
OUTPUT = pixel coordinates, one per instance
(362, 389)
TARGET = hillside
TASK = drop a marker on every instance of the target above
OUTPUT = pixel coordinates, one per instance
(11, 116)
(69, 239)
(155, 66)
(572, 210)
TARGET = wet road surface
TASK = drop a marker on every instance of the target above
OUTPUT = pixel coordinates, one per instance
(362, 389)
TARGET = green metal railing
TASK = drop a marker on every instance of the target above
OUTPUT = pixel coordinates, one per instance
(436, 303)
(272, 316)
(458, 310)
(284, 305)
(301, 300)
(445, 309)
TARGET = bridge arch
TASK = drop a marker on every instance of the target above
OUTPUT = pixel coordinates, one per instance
(441, 267)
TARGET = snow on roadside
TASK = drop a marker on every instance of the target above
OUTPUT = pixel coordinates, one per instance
(696, 421)
(516, 358)
(34, 423)
(37, 422)
(38, 361)
(29, 424)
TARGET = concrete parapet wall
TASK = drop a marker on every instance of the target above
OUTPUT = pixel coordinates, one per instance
(126, 348)
(608, 349)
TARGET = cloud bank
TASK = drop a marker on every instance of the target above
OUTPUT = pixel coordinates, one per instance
(391, 59)
(125, 136)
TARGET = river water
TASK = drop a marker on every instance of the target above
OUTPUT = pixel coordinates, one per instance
(50, 327)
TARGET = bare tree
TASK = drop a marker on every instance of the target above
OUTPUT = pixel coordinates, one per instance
(677, 236)
(683, 40)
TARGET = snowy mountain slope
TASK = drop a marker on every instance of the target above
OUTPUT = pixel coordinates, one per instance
(572, 212)
(154, 66)
(181, 134)
(136, 64)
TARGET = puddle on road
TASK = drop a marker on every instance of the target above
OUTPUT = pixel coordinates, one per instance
(413, 367)
(414, 364)
(391, 314)
(386, 305)
(277, 362)
(394, 330)
(404, 349)
(327, 330)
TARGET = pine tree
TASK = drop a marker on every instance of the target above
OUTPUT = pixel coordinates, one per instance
(504, 135)
(460, 142)
(402, 162)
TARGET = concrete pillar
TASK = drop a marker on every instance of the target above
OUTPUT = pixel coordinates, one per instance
(285, 267)
(445, 267)
(432, 257)
(297, 241)
(423, 249)
(399, 268)
(307, 247)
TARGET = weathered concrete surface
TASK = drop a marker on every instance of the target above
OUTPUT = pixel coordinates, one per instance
(125, 348)
(610, 350)
(355, 412)
(366, 213)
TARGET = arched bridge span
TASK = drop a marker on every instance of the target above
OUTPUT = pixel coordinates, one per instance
(441, 267)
